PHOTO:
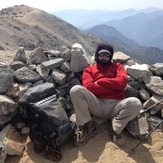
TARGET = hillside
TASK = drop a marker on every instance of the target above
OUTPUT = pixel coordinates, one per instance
(31, 27)
(141, 54)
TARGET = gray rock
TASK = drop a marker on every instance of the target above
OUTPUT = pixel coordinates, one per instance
(59, 76)
(53, 63)
(120, 57)
(157, 69)
(7, 105)
(138, 127)
(130, 92)
(79, 60)
(138, 71)
(20, 55)
(154, 83)
(6, 79)
(24, 75)
(37, 56)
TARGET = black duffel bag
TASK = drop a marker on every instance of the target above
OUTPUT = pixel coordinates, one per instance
(50, 127)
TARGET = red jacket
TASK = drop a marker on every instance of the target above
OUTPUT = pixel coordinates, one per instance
(106, 82)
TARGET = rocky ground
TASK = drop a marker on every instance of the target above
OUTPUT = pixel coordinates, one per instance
(101, 150)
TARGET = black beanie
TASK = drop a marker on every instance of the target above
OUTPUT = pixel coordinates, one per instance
(104, 46)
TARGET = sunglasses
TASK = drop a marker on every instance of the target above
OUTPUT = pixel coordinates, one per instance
(106, 55)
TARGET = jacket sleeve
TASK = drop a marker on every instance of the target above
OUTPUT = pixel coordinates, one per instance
(117, 83)
(88, 82)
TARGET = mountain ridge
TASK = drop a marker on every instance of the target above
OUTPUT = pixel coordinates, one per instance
(31, 27)
(80, 17)
(141, 54)
(144, 26)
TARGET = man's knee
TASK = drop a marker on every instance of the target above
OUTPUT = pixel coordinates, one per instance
(135, 101)
(135, 104)
(75, 89)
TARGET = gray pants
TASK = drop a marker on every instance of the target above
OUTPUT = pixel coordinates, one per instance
(120, 112)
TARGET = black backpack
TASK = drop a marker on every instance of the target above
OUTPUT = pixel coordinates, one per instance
(50, 127)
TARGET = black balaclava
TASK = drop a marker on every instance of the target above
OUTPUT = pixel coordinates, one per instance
(104, 46)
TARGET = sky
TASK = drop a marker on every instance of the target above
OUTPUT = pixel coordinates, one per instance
(57, 5)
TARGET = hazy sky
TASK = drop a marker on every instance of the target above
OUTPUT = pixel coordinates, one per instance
(55, 5)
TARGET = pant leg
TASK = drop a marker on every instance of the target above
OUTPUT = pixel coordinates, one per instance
(85, 103)
(125, 111)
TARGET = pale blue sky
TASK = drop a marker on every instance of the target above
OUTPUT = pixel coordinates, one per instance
(55, 5)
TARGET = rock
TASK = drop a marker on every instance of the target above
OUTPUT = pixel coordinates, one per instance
(13, 141)
(6, 79)
(138, 127)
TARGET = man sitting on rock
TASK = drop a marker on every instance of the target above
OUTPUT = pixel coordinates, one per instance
(102, 96)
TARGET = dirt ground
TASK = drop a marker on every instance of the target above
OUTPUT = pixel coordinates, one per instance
(100, 149)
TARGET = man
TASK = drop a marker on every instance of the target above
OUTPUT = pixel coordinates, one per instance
(102, 96)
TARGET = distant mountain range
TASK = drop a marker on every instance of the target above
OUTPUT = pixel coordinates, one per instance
(84, 19)
(140, 53)
(143, 26)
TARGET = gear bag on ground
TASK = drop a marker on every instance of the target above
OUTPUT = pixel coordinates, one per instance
(46, 116)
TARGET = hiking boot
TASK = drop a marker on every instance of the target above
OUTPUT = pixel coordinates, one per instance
(84, 133)
(118, 139)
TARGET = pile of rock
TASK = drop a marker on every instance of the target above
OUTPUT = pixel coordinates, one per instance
(64, 68)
